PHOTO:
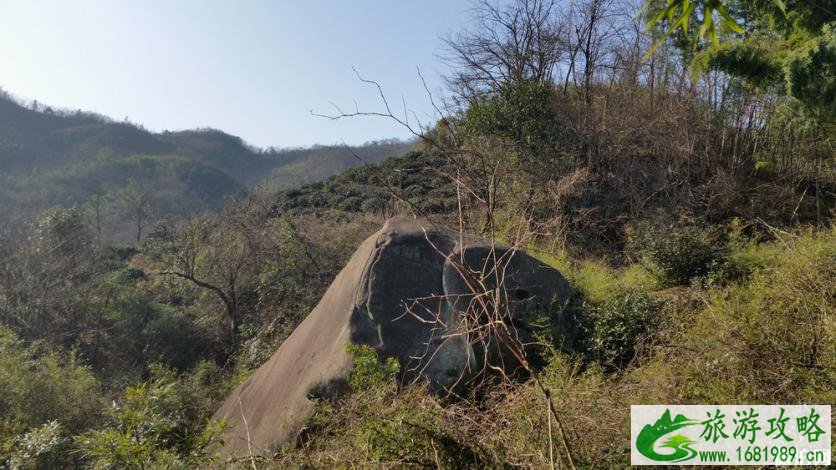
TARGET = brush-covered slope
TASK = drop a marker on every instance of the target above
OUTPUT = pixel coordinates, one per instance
(413, 183)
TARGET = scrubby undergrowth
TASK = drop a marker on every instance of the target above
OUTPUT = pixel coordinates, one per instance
(765, 337)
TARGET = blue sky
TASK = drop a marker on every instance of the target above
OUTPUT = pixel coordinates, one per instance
(253, 68)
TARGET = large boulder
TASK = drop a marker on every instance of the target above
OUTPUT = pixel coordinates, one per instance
(402, 293)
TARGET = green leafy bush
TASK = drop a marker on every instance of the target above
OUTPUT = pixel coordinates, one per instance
(39, 386)
(680, 255)
(615, 328)
(160, 424)
(368, 371)
(524, 112)
(39, 448)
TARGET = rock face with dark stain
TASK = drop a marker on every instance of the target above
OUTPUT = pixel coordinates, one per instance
(403, 292)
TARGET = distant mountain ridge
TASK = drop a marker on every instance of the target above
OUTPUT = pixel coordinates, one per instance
(62, 158)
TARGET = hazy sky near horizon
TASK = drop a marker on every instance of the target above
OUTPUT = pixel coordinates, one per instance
(252, 68)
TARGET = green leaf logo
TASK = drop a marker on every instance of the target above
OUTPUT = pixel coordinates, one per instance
(680, 444)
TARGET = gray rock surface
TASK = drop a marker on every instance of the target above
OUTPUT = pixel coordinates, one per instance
(399, 293)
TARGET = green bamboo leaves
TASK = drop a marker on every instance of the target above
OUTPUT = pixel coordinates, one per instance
(707, 15)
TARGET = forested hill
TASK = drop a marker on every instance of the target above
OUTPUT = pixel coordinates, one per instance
(124, 172)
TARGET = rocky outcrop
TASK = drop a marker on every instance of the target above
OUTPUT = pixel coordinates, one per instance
(399, 293)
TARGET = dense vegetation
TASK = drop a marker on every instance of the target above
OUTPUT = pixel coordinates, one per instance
(689, 203)
(401, 184)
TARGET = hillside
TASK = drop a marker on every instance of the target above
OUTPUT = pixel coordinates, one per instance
(50, 158)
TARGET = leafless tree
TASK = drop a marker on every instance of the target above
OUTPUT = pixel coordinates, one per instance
(212, 255)
(507, 43)
(135, 202)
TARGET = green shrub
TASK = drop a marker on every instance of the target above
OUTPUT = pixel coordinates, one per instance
(681, 255)
(43, 394)
(41, 447)
(144, 331)
(38, 386)
(160, 424)
(524, 113)
(615, 328)
(368, 371)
